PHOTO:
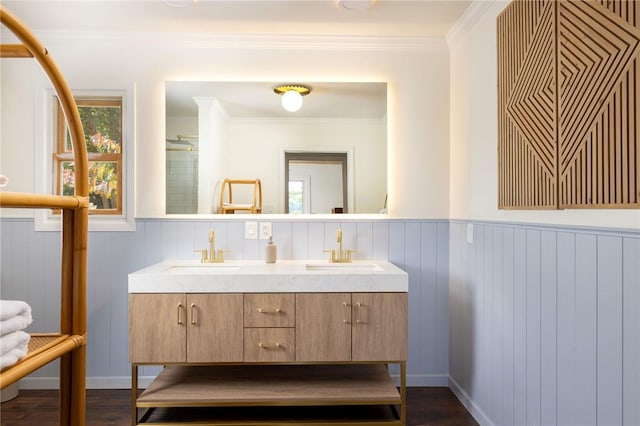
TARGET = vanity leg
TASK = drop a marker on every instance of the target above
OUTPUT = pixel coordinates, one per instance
(403, 392)
(134, 394)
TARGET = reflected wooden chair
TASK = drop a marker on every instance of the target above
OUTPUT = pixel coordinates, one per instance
(229, 206)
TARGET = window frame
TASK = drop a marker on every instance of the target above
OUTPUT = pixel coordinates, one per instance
(46, 176)
(62, 154)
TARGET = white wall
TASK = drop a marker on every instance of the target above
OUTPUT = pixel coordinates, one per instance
(474, 132)
(416, 71)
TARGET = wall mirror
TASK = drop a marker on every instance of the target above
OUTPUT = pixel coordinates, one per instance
(240, 130)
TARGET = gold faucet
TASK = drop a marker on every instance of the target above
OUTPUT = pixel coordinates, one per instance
(212, 256)
(342, 256)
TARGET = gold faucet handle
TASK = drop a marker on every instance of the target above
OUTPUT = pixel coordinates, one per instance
(332, 255)
(219, 256)
(204, 256)
(348, 254)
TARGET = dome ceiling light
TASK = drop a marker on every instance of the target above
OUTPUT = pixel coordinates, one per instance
(292, 95)
(356, 4)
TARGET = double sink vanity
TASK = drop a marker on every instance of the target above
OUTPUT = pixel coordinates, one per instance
(288, 342)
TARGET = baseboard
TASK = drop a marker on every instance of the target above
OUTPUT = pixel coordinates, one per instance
(124, 382)
(427, 380)
(468, 403)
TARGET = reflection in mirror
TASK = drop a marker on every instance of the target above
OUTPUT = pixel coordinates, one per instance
(316, 182)
(239, 130)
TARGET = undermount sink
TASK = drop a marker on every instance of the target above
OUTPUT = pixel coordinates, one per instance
(343, 267)
(207, 268)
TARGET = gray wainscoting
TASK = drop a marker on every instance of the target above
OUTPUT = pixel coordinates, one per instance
(545, 324)
(30, 271)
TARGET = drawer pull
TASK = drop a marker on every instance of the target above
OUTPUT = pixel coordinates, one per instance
(267, 311)
(265, 346)
(359, 306)
(345, 320)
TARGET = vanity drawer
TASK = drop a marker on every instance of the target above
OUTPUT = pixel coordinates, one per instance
(269, 344)
(269, 310)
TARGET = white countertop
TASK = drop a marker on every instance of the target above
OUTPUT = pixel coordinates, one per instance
(285, 276)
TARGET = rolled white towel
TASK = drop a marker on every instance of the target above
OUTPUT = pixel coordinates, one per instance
(12, 357)
(14, 315)
(15, 340)
(14, 344)
(12, 308)
(13, 324)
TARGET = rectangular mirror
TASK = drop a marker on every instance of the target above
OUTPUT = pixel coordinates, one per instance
(240, 130)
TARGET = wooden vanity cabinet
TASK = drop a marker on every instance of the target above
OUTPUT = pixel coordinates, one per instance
(272, 349)
(351, 326)
(157, 329)
(214, 329)
(323, 327)
(178, 328)
(379, 326)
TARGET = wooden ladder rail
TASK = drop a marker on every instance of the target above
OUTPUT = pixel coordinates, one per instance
(73, 311)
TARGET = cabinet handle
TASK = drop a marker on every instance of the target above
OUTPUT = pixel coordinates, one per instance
(193, 314)
(266, 311)
(345, 320)
(275, 346)
(179, 316)
(359, 306)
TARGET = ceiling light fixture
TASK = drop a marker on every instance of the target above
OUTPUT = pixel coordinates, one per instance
(292, 95)
(356, 4)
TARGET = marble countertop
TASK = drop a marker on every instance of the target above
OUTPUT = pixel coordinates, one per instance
(294, 276)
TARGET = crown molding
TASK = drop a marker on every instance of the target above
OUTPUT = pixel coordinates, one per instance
(468, 19)
(226, 41)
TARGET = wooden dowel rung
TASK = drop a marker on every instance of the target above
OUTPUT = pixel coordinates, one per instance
(18, 199)
(14, 51)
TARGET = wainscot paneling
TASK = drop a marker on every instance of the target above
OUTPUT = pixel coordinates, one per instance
(545, 324)
(30, 272)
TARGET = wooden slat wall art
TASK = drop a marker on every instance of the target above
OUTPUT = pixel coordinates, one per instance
(527, 106)
(599, 60)
(569, 140)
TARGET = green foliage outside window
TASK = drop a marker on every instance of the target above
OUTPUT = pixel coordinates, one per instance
(102, 124)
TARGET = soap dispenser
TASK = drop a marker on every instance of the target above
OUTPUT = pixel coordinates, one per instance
(271, 252)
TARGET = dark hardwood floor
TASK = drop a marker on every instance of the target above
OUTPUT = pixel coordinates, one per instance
(425, 406)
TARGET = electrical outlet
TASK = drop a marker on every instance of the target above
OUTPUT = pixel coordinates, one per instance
(265, 230)
(251, 230)
(469, 233)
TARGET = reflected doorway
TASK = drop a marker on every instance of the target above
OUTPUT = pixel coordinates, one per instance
(315, 182)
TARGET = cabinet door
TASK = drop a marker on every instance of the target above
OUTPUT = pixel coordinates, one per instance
(379, 326)
(157, 328)
(323, 327)
(214, 332)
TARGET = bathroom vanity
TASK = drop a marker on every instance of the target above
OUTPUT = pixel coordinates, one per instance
(276, 337)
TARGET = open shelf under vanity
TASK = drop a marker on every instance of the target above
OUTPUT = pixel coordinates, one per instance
(352, 393)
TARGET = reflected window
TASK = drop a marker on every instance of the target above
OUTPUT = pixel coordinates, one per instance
(297, 196)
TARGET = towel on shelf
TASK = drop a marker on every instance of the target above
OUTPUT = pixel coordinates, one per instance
(13, 347)
(14, 315)
(12, 308)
